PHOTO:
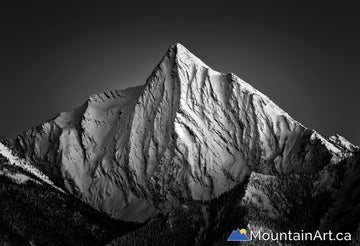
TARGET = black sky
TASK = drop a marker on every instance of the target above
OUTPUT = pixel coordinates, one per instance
(304, 56)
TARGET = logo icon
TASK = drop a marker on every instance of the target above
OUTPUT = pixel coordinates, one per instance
(238, 235)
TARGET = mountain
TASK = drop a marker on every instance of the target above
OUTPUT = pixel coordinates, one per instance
(195, 147)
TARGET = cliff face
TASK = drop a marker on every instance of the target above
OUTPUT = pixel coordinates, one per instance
(190, 133)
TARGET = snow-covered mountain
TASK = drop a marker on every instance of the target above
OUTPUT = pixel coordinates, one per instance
(189, 134)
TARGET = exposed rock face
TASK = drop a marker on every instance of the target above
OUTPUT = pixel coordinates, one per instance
(190, 133)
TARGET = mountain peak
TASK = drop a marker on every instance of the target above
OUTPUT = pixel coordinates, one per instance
(178, 46)
(181, 54)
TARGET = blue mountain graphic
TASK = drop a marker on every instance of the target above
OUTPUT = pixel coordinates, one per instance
(238, 236)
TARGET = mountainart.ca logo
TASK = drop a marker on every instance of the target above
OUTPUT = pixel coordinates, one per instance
(240, 235)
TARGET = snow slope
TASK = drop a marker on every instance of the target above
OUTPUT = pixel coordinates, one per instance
(24, 165)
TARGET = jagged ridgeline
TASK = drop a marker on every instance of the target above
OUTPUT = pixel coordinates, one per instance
(197, 147)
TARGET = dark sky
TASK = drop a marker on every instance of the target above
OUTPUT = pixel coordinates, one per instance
(304, 56)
